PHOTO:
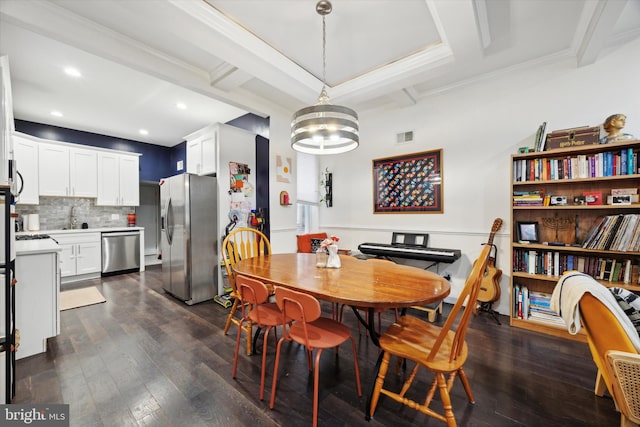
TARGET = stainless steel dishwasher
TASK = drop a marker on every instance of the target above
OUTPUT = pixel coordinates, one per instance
(120, 252)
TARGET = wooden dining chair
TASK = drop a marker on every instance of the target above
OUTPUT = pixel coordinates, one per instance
(316, 333)
(441, 350)
(255, 308)
(242, 243)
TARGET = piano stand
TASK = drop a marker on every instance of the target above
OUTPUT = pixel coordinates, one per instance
(487, 307)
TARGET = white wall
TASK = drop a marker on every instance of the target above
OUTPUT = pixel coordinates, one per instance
(282, 218)
(478, 126)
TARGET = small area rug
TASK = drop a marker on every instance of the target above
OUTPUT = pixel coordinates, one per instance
(75, 298)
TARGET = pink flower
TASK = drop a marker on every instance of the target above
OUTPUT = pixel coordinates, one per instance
(329, 241)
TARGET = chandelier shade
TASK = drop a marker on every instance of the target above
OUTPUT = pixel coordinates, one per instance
(324, 128)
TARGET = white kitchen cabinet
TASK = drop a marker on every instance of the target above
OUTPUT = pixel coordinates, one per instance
(202, 151)
(67, 171)
(25, 152)
(118, 180)
(37, 301)
(81, 256)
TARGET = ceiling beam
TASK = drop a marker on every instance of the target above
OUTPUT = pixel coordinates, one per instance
(53, 21)
(595, 27)
(404, 98)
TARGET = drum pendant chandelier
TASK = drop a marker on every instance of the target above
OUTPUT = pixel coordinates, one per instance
(324, 128)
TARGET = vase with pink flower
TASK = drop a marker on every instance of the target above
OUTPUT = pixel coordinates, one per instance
(327, 254)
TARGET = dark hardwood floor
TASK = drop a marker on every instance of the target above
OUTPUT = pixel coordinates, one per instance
(143, 358)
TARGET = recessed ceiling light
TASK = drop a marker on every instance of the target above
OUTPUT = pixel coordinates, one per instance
(181, 106)
(56, 113)
(144, 132)
(72, 72)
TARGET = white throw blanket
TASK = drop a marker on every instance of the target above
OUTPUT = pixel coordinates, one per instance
(566, 296)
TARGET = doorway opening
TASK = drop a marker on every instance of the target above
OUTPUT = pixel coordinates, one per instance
(148, 216)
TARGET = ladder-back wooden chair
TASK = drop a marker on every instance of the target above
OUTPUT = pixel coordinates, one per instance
(242, 243)
(441, 350)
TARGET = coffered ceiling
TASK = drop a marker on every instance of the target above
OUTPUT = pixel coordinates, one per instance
(224, 58)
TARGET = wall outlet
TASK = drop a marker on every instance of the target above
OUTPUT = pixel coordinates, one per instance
(179, 165)
(115, 216)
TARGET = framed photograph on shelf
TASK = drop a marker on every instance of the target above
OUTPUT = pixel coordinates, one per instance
(410, 183)
(528, 231)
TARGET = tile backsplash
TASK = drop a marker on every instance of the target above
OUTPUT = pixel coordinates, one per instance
(55, 213)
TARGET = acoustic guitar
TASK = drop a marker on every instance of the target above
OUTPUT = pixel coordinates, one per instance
(490, 285)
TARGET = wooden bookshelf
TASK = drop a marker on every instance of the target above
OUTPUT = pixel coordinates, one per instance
(593, 168)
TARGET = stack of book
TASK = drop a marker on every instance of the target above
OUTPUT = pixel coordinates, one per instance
(528, 198)
(540, 308)
(535, 305)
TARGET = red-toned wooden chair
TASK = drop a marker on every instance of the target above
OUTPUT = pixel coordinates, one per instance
(253, 296)
(312, 331)
(441, 350)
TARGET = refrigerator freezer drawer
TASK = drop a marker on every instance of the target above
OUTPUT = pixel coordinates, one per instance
(120, 251)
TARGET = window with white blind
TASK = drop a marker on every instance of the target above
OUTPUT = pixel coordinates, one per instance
(308, 193)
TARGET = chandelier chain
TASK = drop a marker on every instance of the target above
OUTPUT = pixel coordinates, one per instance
(324, 53)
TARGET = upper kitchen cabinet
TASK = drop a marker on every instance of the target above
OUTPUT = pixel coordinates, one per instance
(202, 151)
(118, 179)
(25, 152)
(67, 171)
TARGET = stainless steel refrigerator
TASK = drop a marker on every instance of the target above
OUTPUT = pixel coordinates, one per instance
(189, 237)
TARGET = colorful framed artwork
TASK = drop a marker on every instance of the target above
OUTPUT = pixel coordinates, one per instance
(410, 183)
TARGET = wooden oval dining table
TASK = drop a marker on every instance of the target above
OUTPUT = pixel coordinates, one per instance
(358, 283)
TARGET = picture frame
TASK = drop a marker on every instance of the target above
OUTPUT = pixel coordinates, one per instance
(409, 183)
(528, 231)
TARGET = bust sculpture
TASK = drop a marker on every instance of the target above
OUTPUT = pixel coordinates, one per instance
(613, 125)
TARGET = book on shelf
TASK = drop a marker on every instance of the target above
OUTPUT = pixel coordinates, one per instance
(579, 166)
(554, 264)
(528, 198)
(534, 305)
(540, 140)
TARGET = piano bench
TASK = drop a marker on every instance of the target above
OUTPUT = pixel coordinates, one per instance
(432, 310)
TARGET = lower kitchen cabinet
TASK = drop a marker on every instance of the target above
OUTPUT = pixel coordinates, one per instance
(37, 299)
(81, 256)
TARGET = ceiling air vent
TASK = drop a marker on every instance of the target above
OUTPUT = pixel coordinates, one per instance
(404, 137)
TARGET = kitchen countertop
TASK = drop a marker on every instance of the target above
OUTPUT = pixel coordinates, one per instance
(80, 230)
(39, 246)
(29, 247)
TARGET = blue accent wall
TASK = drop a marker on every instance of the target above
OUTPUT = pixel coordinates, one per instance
(155, 162)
